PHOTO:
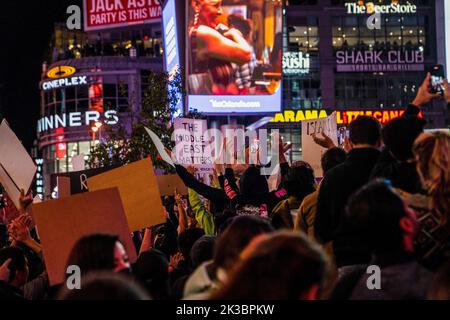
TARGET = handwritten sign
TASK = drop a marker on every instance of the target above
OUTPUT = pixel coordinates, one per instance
(312, 152)
(191, 145)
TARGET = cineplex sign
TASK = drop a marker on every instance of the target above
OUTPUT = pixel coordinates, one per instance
(77, 119)
(371, 8)
(342, 117)
(379, 61)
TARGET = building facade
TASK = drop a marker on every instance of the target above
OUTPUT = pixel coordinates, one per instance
(351, 64)
(92, 79)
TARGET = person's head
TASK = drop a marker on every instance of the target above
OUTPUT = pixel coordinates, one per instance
(207, 11)
(187, 239)
(364, 132)
(103, 285)
(152, 271)
(440, 289)
(399, 136)
(99, 252)
(281, 266)
(243, 25)
(236, 237)
(300, 181)
(331, 158)
(18, 266)
(381, 217)
(202, 251)
(432, 154)
(253, 184)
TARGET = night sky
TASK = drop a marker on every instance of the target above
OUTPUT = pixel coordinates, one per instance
(25, 31)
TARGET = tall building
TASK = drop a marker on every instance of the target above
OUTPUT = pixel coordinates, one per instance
(93, 77)
(356, 64)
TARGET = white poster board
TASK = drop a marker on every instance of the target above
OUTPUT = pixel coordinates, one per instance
(17, 169)
(312, 152)
(191, 144)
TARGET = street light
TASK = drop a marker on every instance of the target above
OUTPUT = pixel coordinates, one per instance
(96, 128)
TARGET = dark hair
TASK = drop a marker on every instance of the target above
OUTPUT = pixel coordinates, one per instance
(253, 184)
(399, 136)
(18, 260)
(202, 251)
(374, 212)
(187, 239)
(365, 130)
(332, 158)
(236, 237)
(300, 181)
(238, 22)
(105, 286)
(282, 267)
(94, 252)
(152, 271)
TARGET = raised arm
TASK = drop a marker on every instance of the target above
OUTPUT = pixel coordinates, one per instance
(231, 46)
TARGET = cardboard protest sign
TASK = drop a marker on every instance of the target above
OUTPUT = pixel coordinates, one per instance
(61, 223)
(191, 144)
(17, 169)
(312, 152)
(63, 187)
(168, 183)
(139, 191)
(78, 179)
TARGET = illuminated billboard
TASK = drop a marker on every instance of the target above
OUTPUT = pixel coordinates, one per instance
(105, 14)
(234, 56)
(171, 47)
(447, 35)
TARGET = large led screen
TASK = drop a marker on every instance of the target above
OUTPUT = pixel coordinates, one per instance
(234, 56)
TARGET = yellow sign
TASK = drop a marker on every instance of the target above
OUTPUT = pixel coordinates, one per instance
(293, 116)
(383, 116)
(61, 72)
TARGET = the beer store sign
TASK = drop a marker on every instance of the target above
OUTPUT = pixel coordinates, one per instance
(371, 8)
(379, 61)
(77, 119)
(295, 63)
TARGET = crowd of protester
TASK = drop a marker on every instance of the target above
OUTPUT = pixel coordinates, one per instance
(383, 204)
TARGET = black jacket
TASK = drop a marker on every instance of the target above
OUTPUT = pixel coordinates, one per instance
(8, 292)
(218, 197)
(335, 190)
(403, 175)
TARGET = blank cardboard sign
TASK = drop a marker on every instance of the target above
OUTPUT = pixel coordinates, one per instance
(139, 192)
(168, 184)
(62, 222)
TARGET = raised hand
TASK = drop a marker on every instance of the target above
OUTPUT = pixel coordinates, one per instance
(4, 271)
(24, 201)
(424, 95)
(325, 141)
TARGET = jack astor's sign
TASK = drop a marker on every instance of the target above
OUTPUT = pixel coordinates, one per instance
(379, 61)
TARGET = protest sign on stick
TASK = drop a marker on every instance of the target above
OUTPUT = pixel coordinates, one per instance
(17, 169)
(312, 152)
(61, 223)
(138, 187)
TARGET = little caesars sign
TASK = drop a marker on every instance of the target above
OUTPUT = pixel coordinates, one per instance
(371, 8)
